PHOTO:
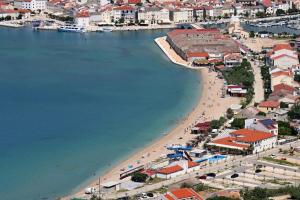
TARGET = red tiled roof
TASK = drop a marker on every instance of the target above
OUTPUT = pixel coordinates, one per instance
(283, 86)
(185, 193)
(267, 3)
(192, 164)
(190, 31)
(197, 54)
(124, 7)
(269, 104)
(281, 73)
(282, 46)
(134, 1)
(83, 14)
(228, 141)
(283, 55)
(169, 197)
(249, 135)
(170, 170)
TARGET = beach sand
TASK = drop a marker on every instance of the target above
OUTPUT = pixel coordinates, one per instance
(210, 106)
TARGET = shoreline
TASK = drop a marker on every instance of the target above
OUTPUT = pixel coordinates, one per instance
(209, 106)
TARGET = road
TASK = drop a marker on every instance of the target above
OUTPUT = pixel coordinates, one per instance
(258, 84)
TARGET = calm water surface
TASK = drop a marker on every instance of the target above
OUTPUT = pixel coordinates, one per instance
(74, 104)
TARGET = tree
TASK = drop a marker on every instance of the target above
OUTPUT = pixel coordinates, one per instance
(252, 34)
(215, 124)
(260, 14)
(204, 14)
(297, 78)
(238, 123)
(7, 18)
(139, 177)
(199, 187)
(294, 113)
(284, 128)
(284, 105)
(229, 113)
(280, 12)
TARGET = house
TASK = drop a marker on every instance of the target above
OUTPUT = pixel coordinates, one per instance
(232, 59)
(32, 5)
(124, 13)
(244, 141)
(183, 194)
(265, 125)
(170, 172)
(278, 115)
(236, 90)
(202, 128)
(13, 14)
(282, 56)
(181, 15)
(82, 19)
(198, 13)
(282, 77)
(192, 56)
(268, 106)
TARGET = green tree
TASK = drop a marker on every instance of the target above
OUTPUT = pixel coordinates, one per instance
(297, 78)
(260, 14)
(284, 105)
(215, 124)
(280, 12)
(284, 128)
(294, 113)
(229, 113)
(238, 123)
(252, 34)
(139, 177)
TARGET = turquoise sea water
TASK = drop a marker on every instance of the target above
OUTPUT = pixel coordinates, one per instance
(72, 105)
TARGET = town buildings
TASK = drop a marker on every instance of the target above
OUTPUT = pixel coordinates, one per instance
(31, 4)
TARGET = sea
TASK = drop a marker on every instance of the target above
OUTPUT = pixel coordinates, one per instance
(72, 105)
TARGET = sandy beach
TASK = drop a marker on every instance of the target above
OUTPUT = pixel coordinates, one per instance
(209, 106)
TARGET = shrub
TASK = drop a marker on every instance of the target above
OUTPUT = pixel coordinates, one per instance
(139, 177)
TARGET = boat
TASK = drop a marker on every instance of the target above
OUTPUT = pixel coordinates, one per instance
(71, 28)
(36, 23)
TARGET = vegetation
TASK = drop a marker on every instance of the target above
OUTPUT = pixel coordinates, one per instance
(220, 198)
(294, 113)
(280, 162)
(229, 113)
(242, 75)
(284, 105)
(284, 128)
(238, 123)
(139, 177)
(280, 12)
(251, 34)
(263, 193)
(261, 113)
(265, 73)
(297, 78)
(260, 14)
(216, 124)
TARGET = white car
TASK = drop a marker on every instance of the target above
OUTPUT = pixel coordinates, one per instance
(90, 190)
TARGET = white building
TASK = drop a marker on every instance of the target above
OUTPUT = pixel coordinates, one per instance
(82, 19)
(31, 4)
(245, 140)
(265, 125)
(154, 15)
(182, 15)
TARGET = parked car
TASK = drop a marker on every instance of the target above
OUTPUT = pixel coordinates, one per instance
(203, 177)
(234, 175)
(258, 171)
(211, 175)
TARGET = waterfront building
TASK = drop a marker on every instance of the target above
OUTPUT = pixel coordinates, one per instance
(182, 194)
(211, 41)
(198, 13)
(106, 14)
(170, 172)
(153, 15)
(32, 5)
(236, 91)
(232, 60)
(124, 13)
(181, 15)
(9, 12)
(82, 19)
(265, 125)
(244, 141)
